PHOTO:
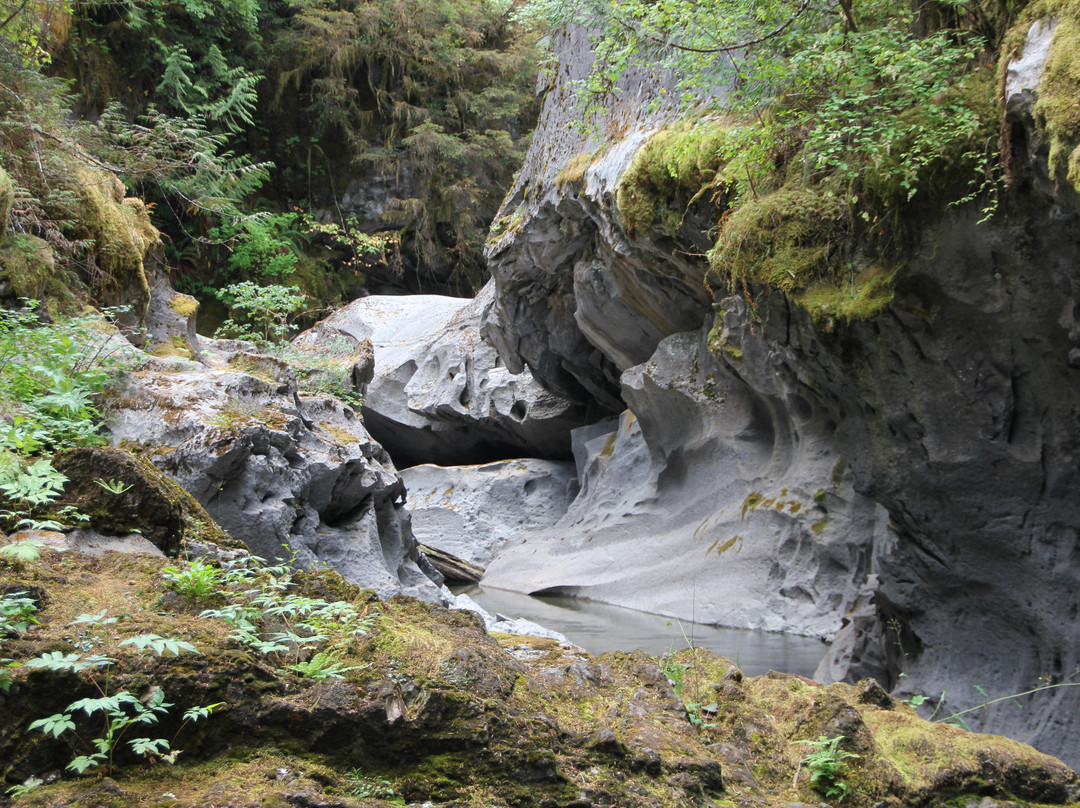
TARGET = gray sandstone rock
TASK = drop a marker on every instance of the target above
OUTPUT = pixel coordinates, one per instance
(439, 393)
(471, 511)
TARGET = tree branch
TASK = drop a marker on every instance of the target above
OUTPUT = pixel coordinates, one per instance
(13, 15)
(728, 48)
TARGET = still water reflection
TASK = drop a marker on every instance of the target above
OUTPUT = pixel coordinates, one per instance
(599, 627)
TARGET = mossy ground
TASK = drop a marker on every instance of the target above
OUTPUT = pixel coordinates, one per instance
(444, 713)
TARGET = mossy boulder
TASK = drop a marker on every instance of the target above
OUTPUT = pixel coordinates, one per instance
(28, 269)
(123, 493)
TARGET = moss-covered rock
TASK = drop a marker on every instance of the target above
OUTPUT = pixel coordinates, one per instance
(429, 708)
(28, 266)
(121, 233)
(1055, 110)
(674, 168)
(787, 239)
(123, 493)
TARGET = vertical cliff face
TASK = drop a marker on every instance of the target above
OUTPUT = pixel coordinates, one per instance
(903, 485)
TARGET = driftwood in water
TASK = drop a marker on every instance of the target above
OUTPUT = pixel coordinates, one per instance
(454, 569)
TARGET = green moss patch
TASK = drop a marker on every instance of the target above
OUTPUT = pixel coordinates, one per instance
(674, 168)
(787, 239)
(860, 297)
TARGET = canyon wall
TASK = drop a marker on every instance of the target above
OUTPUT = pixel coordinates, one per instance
(903, 485)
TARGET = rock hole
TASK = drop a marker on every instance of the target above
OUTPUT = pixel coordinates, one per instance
(519, 411)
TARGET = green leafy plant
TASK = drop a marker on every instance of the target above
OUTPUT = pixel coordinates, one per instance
(364, 787)
(262, 314)
(697, 715)
(198, 580)
(322, 665)
(303, 635)
(29, 486)
(50, 375)
(24, 788)
(16, 616)
(674, 671)
(113, 714)
(263, 248)
(21, 552)
(160, 645)
(826, 762)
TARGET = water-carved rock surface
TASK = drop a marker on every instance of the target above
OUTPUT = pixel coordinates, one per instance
(578, 299)
(439, 392)
(288, 475)
(950, 421)
(472, 511)
(712, 497)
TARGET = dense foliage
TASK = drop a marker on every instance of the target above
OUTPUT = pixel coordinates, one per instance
(380, 117)
(840, 123)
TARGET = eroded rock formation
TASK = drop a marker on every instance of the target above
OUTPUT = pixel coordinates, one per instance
(440, 394)
(472, 511)
(904, 483)
(290, 475)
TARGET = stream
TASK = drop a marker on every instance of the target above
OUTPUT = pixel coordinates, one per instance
(599, 627)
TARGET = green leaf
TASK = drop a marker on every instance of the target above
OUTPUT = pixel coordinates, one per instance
(83, 763)
(160, 645)
(24, 552)
(59, 661)
(55, 725)
(148, 747)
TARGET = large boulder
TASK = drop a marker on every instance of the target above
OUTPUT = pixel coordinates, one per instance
(294, 477)
(439, 393)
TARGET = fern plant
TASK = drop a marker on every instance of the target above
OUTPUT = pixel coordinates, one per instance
(826, 762)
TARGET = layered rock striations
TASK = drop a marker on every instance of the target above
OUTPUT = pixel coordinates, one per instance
(902, 484)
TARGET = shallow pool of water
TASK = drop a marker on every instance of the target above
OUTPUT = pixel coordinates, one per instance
(599, 627)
